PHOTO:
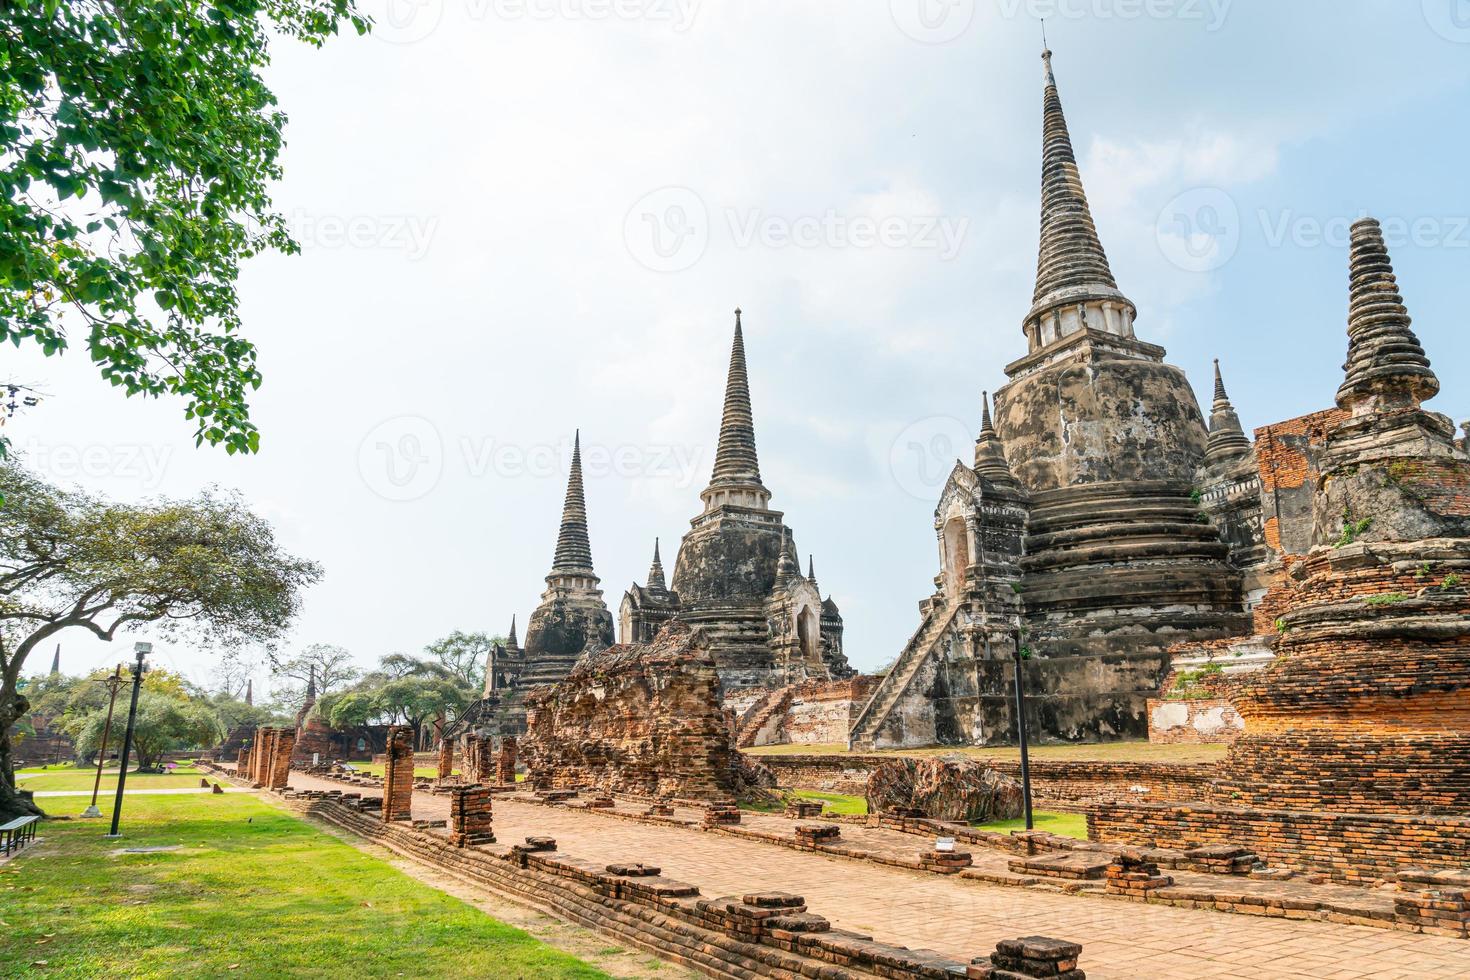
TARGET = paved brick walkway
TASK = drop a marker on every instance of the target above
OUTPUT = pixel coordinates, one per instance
(965, 918)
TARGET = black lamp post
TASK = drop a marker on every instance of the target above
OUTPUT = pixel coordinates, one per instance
(142, 650)
(1021, 731)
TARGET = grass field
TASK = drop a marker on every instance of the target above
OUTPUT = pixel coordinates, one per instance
(80, 780)
(1100, 752)
(376, 769)
(1064, 824)
(1061, 824)
(245, 890)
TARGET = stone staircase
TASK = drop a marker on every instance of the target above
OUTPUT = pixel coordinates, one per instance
(915, 653)
(758, 714)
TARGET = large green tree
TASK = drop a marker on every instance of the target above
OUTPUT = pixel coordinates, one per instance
(163, 722)
(206, 568)
(137, 145)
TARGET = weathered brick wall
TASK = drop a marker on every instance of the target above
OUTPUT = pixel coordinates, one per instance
(280, 761)
(505, 761)
(398, 775)
(823, 713)
(1350, 848)
(643, 719)
(1193, 722)
(1288, 454)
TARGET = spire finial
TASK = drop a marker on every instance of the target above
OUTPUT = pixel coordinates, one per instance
(737, 468)
(573, 550)
(1227, 439)
(510, 641)
(1071, 266)
(990, 454)
(656, 580)
(786, 565)
(1386, 366)
(811, 569)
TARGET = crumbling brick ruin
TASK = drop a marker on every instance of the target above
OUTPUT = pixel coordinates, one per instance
(398, 774)
(279, 769)
(444, 764)
(470, 816)
(1362, 719)
(643, 719)
(505, 761)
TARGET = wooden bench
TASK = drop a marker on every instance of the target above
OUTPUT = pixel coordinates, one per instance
(15, 834)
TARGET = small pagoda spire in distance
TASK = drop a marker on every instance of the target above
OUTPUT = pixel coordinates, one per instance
(656, 581)
(811, 574)
(250, 691)
(511, 644)
(1227, 439)
(787, 567)
(990, 454)
(56, 662)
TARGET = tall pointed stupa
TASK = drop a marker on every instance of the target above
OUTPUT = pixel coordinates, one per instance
(572, 616)
(1075, 533)
(1105, 438)
(764, 629)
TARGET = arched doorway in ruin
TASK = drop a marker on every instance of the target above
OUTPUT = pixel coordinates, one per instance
(956, 555)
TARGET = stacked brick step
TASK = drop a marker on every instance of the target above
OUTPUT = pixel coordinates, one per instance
(949, 862)
(1132, 876)
(804, 809)
(721, 815)
(812, 834)
(1435, 902)
(1033, 956)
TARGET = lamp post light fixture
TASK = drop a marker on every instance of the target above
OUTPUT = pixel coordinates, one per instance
(113, 683)
(142, 650)
(1021, 730)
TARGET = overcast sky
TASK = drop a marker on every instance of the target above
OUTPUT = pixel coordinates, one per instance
(525, 216)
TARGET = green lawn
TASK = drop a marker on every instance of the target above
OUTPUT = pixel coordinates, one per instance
(836, 802)
(1061, 824)
(1100, 752)
(376, 769)
(250, 891)
(80, 780)
(1064, 824)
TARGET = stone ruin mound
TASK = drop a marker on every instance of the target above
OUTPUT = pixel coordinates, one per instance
(642, 719)
(944, 789)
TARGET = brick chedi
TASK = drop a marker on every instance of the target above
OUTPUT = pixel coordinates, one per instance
(1077, 518)
(644, 719)
(736, 575)
(1367, 706)
(571, 620)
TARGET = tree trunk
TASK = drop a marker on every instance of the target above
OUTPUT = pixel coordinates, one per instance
(12, 804)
